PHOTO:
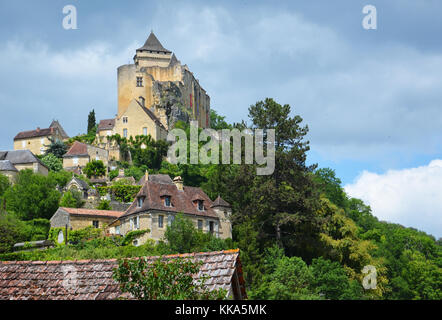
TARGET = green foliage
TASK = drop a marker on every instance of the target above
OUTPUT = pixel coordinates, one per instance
(4, 184)
(218, 122)
(183, 237)
(52, 162)
(131, 236)
(82, 235)
(95, 168)
(104, 205)
(135, 172)
(13, 230)
(91, 122)
(72, 199)
(163, 280)
(57, 148)
(113, 174)
(123, 193)
(33, 196)
(60, 178)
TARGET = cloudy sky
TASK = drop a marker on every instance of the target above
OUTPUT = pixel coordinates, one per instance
(372, 98)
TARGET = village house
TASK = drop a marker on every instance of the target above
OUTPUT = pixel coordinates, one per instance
(8, 169)
(81, 218)
(161, 199)
(80, 154)
(22, 160)
(38, 140)
(43, 280)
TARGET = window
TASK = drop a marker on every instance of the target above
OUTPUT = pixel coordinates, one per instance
(160, 221)
(125, 119)
(95, 223)
(200, 205)
(167, 201)
(42, 141)
(75, 161)
(135, 223)
(23, 144)
(117, 230)
(140, 202)
(200, 224)
(145, 131)
(139, 81)
(125, 133)
(135, 243)
(211, 227)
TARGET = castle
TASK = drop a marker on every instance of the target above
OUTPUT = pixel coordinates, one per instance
(153, 94)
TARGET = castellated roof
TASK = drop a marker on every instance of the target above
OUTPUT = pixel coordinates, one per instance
(153, 44)
(92, 279)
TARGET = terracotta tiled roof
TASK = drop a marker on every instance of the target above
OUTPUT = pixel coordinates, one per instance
(92, 279)
(107, 124)
(92, 212)
(34, 133)
(181, 200)
(77, 149)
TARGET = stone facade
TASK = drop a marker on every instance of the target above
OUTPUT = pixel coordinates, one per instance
(80, 154)
(81, 218)
(152, 211)
(37, 140)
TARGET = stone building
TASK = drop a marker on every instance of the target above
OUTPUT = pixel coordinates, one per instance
(78, 185)
(80, 154)
(38, 140)
(153, 94)
(161, 199)
(81, 218)
(8, 169)
(24, 159)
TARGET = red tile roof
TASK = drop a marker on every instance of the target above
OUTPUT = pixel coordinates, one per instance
(93, 212)
(77, 149)
(182, 200)
(92, 279)
(34, 133)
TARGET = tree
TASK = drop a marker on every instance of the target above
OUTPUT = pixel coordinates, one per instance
(91, 122)
(330, 185)
(218, 122)
(181, 235)
(163, 280)
(52, 162)
(95, 168)
(104, 205)
(4, 184)
(32, 196)
(72, 199)
(284, 203)
(57, 148)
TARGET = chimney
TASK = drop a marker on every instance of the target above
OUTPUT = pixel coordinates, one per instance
(121, 172)
(146, 175)
(38, 129)
(179, 183)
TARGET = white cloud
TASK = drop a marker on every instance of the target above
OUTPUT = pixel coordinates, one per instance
(411, 197)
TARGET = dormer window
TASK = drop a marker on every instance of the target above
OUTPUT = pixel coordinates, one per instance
(167, 201)
(200, 205)
(140, 202)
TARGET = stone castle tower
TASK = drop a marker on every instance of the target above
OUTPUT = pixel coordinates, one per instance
(159, 82)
